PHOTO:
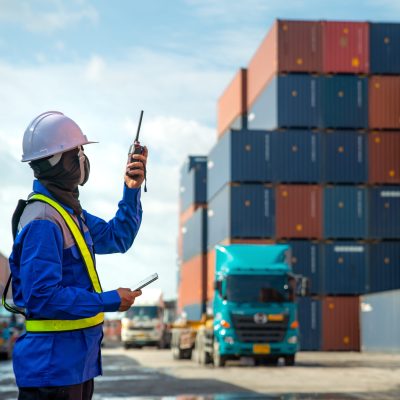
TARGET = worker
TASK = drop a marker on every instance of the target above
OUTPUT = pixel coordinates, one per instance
(52, 263)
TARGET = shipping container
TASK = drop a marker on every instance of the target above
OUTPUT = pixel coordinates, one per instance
(232, 105)
(194, 235)
(210, 276)
(384, 102)
(288, 101)
(384, 48)
(290, 46)
(345, 157)
(384, 157)
(193, 182)
(341, 324)
(344, 102)
(384, 212)
(345, 212)
(296, 156)
(384, 271)
(380, 322)
(345, 268)
(241, 211)
(193, 281)
(194, 312)
(309, 317)
(239, 156)
(188, 213)
(299, 211)
(306, 261)
(345, 47)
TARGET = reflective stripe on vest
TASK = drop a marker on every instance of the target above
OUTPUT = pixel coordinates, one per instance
(69, 325)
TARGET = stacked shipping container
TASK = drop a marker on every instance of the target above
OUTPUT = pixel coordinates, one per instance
(315, 163)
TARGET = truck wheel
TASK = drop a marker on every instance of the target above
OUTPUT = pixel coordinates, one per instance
(290, 360)
(177, 353)
(126, 346)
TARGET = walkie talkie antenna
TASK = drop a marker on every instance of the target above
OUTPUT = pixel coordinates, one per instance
(138, 129)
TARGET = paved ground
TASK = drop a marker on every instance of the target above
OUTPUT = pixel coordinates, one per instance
(152, 374)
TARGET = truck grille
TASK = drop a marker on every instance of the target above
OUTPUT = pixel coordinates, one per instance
(248, 331)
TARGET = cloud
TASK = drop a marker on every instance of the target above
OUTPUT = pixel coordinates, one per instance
(44, 16)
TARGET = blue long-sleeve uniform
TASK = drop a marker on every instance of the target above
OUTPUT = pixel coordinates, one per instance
(51, 282)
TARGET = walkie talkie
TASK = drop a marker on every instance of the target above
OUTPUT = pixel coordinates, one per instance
(137, 148)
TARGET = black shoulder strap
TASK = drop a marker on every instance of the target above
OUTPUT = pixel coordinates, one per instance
(14, 227)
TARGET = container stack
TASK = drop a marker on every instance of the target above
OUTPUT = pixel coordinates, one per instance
(192, 233)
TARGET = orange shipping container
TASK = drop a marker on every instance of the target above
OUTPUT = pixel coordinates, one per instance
(384, 157)
(341, 324)
(290, 46)
(298, 211)
(232, 104)
(384, 102)
(345, 47)
(193, 281)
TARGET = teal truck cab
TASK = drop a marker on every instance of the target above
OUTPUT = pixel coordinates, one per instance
(254, 309)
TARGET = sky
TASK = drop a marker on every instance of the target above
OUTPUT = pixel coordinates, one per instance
(100, 63)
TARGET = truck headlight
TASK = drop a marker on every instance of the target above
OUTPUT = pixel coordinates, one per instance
(229, 340)
(292, 340)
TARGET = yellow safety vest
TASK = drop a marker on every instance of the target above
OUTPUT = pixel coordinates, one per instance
(46, 325)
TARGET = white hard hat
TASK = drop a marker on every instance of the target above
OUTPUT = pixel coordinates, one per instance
(51, 133)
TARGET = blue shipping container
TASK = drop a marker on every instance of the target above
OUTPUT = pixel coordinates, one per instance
(296, 156)
(309, 317)
(239, 156)
(193, 182)
(384, 48)
(345, 268)
(345, 212)
(385, 266)
(289, 101)
(345, 157)
(344, 100)
(194, 235)
(194, 311)
(241, 211)
(306, 261)
(384, 212)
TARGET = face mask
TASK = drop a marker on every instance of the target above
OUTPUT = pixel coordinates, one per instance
(84, 166)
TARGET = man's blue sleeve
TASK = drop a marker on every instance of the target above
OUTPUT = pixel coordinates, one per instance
(40, 263)
(117, 235)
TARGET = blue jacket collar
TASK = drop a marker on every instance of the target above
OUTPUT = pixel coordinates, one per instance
(39, 188)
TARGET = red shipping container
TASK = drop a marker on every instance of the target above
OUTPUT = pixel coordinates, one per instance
(193, 281)
(384, 102)
(290, 46)
(345, 47)
(341, 324)
(232, 103)
(384, 157)
(298, 211)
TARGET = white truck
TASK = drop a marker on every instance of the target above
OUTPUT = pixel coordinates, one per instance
(143, 324)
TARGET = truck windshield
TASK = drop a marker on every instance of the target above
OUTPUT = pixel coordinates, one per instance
(142, 312)
(260, 288)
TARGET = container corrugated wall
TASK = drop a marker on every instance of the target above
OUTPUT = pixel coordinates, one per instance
(296, 156)
(341, 324)
(384, 266)
(345, 212)
(194, 235)
(239, 156)
(345, 157)
(299, 211)
(384, 157)
(290, 46)
(384, 215)
(345, 265)
(344, 100)
(345, 47)
(241, 211)
(288, 101)
(232, 104)
(380, 322)
(306, 261)
(384, 48)
(384, 102)
(309, 317)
